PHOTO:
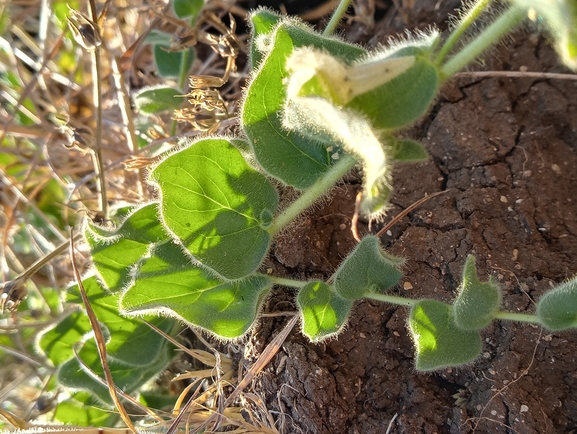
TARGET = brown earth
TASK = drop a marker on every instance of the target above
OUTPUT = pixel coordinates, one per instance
(505, 152)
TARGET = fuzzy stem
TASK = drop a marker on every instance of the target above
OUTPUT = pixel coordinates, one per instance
(287, 282)
(337, 16)
(508, 316)
(393, 299)
(502, 25)
(319, 188)
(464, 24)
(522, 317)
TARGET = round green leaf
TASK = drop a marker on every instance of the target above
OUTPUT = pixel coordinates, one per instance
(167, 284)
(216, 205)
(323, 312)
(477, 302)
(438, 341)
(557, 309)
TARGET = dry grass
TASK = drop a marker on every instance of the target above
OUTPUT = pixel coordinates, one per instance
(67, 129)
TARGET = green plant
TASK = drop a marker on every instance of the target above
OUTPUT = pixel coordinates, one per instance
(314, 108)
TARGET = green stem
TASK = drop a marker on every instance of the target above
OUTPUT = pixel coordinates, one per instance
(464, 24)
(287, 282)
(504, 24)
(393, 299)
(319, 188)
(337, 16)
(522, 317)
(508, 316)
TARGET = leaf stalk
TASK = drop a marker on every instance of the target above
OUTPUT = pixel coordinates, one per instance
(491, 35)
(319, 188)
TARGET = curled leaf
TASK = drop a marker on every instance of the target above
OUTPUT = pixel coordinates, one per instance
(557, 309)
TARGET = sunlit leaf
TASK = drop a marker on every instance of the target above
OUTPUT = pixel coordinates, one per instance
(114, 251)
(132, 342)
(78, 413)
(166, 284)
(438, 341)
(262, 22)
(57, 343)
(323, 312)
(217, 206)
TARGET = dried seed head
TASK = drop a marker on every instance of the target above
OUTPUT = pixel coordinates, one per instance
(205, 81)
(84, 31)
(138, 163)
(13, 292)
(183, 39)
(79, 138)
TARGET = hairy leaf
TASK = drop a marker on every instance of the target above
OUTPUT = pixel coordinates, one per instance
(438, 340)
(367, 269)
(557, 309)
(295, 160)
(168, 285)
(217, 206)
(406, 97)
(131, 341)
(114, 251)
(262, 22)
(135, 352)
(477, 303)
(323, 311)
